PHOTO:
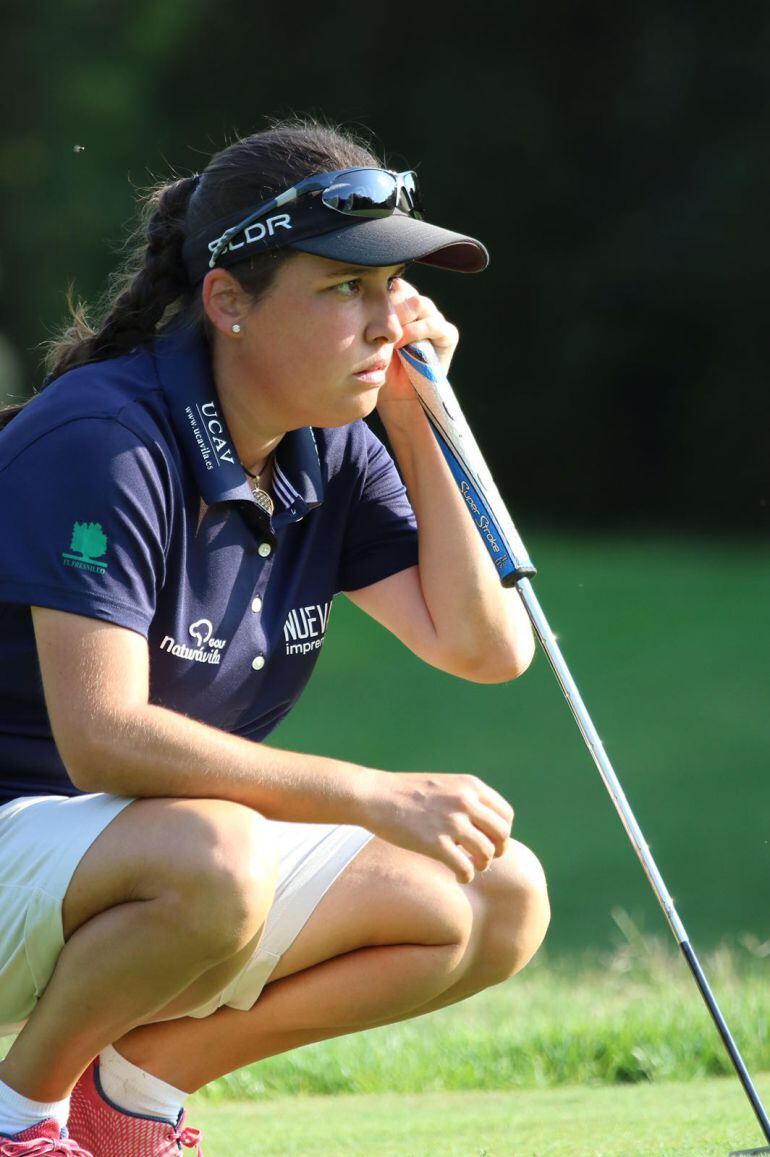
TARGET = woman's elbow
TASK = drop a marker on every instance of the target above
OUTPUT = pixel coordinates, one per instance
(86, 768)
(500, 663)
(92, 755)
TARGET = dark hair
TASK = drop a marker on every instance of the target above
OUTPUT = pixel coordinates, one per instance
(152, 285)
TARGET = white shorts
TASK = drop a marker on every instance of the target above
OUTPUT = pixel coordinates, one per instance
(43, 839)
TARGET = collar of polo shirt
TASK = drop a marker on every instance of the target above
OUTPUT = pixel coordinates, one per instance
(184, 372)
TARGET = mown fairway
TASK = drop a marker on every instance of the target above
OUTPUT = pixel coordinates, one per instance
(669, 642)
(704, 1118)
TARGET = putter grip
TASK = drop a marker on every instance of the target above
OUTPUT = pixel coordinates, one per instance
(465, 460)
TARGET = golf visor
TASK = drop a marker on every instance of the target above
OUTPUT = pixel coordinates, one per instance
(362, 216)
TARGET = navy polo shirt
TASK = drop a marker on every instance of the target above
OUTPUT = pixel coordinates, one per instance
(123, 500)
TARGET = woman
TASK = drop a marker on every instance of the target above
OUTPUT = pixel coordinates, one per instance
(182, 503)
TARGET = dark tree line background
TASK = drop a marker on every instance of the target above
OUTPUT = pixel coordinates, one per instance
(615, 159)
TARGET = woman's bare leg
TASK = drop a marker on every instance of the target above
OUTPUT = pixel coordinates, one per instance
(169, 900)
(394, 937)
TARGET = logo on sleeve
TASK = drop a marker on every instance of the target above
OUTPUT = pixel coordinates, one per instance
(88, 544)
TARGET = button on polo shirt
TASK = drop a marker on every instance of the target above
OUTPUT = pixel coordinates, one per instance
(151, 525)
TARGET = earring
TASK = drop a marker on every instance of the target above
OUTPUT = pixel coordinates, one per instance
(236, 327)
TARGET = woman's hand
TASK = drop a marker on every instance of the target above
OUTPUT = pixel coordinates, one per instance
(420, 320)
(456, 819)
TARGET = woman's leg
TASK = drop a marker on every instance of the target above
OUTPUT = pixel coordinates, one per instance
(395, 936)
(171, 890)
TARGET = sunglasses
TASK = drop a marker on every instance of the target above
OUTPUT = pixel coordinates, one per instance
(352, 192)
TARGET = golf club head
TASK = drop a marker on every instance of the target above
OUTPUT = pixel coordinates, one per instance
(747, 1152)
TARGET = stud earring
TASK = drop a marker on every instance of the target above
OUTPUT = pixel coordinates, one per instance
(236, 327)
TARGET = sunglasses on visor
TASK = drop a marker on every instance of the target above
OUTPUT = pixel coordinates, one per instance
(352, 192)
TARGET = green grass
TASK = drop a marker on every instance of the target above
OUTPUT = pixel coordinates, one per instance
(668, 642)
(704, 1118)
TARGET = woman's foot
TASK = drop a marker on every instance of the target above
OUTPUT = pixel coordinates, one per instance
(110, 1131)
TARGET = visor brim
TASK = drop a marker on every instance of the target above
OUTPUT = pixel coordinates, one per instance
(394, 240)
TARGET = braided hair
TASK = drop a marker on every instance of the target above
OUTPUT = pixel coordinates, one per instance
(152, 286)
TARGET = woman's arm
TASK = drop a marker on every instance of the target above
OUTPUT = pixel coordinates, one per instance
(112, 739)
(451, 609)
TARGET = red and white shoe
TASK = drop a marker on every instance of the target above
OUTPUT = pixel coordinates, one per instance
(112, 1132)
(41, 1140)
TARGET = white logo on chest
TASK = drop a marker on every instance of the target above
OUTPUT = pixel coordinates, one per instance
(305, 628)
(207, 649)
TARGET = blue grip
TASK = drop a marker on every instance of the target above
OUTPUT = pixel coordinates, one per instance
(479, 511)
(421, 358)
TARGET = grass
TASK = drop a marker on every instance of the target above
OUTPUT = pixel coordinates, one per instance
(703, 1118)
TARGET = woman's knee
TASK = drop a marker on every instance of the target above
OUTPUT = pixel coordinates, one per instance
(385, 896)
(229, 894)
(212, 863)
(515, 912)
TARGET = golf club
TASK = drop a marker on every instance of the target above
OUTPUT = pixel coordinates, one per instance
(515, 569)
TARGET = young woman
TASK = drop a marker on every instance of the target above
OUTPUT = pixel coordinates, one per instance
(181, 504)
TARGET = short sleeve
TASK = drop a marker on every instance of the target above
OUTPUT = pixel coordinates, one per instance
(381, 534)
(84, 521)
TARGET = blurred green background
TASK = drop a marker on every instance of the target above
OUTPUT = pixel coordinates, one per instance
(616, 160)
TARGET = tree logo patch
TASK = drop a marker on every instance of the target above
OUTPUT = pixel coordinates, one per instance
(89, 542)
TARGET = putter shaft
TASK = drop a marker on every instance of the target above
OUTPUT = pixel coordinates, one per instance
(611, 782)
